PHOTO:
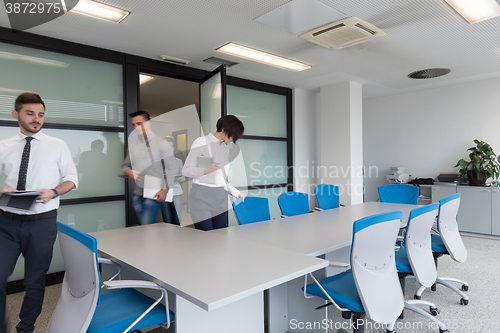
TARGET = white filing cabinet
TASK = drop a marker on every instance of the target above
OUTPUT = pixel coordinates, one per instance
(442, 191)
(474, 214)
(495, 211)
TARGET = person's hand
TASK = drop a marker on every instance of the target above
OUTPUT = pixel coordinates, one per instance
(132, 174)
(178, 178)
(161, 195)
(46, 195)
(241, 196)
(212, 169)
(6, 189)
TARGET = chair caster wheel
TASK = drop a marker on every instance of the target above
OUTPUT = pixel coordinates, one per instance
(465, 287)
(417, 297)
(464, 301)
(434, 311)
(443, 331)
(391, 331)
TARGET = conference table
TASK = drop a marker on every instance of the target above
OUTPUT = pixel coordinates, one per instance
(219, 277)
(325, 234)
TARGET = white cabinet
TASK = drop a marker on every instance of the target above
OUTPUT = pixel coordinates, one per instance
(495, 211)
(474, 214)
(442, 191)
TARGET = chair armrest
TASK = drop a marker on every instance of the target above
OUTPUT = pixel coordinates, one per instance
(338, 264)
(110, 262)
(131, 284)
(141, 284)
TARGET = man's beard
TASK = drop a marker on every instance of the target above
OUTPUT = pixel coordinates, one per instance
(27, 127)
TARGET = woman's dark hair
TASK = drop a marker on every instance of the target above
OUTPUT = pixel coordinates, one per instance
(232, 126)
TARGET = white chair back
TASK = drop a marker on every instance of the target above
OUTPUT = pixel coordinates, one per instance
(374, 267)
(448, 227)
(81, 285)
(418, 243)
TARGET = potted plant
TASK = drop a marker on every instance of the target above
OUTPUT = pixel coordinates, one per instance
(483, 164)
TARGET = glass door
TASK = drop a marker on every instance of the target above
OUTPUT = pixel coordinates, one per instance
(213, 99)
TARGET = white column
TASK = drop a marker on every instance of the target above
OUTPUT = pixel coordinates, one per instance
(341, 139)
(304, 141)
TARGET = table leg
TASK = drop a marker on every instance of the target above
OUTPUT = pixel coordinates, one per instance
(243, 316)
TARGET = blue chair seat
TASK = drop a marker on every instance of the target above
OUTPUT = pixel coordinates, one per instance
(437, 244)
(402, 261)
(341, 288)
(108, 318)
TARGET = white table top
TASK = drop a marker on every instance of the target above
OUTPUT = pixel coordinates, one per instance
(313, 234)
(205, 268)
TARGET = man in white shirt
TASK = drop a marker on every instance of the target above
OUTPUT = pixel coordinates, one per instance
(31, 161)
(149, 155)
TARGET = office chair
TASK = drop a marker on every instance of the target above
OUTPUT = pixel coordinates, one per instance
(399, 193)
(254, 209)
(448, 242)
(293, 203)
(415, 258)
(82, 308)
(371, 287)
(327, 196)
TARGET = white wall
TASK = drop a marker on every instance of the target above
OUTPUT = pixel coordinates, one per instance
(427, 132)
(304, 141)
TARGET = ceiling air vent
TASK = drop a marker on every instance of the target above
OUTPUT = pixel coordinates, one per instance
(343, 33)
(429, 73)
(220, 61)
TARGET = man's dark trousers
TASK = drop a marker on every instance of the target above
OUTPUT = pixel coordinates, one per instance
(34, 240)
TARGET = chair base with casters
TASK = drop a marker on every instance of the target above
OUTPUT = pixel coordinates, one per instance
(437, 245)
(411, 305)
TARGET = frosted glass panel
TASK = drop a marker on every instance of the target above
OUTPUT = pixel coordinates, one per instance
(210, 103)
(75, 90)
(87, 218)
(265, 163)
(97, 155)
(262, 113)
(271, 194)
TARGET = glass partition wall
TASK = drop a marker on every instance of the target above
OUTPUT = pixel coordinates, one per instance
(266, 144)
(84, 108)
(88, 93)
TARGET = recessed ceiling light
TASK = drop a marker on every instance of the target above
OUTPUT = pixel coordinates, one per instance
(145, 78)
(173, 60)
(476, 10)
(262, 57)
(100, 11)
(429, 73)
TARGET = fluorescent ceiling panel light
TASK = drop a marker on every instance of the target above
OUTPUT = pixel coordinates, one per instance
(476, 10)
(145, 78)
(100, 11)
(262, 57)
(34, 60)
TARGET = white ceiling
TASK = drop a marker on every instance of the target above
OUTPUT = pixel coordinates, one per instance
(420, 34)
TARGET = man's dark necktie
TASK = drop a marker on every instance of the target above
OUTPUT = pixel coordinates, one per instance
(23, 169)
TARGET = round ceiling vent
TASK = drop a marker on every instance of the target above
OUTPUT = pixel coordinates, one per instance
(428, 73)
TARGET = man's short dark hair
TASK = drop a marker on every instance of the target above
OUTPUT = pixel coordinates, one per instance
(27, 98)
(140, 113)
(232, 126)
